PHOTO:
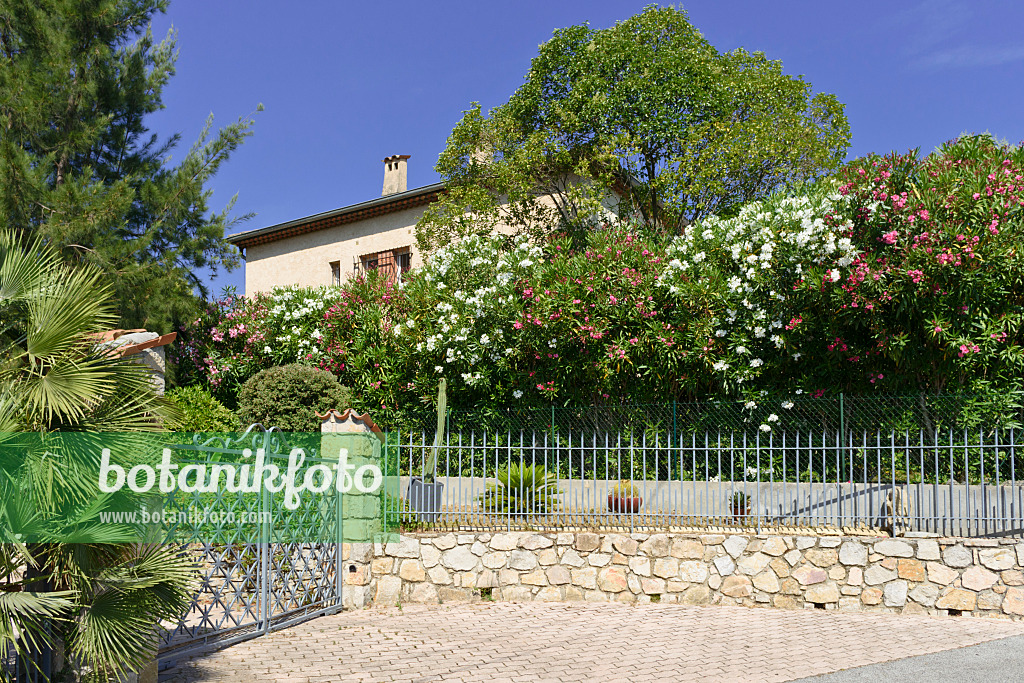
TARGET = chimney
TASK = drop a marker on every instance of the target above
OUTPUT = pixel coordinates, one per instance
(394, 174)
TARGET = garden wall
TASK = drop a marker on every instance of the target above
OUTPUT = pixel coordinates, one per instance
(900, 575)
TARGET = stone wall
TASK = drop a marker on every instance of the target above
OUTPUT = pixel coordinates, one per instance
(901, 575)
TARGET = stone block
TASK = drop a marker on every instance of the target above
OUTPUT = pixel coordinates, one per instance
(850, 604)
(871, 596)
(625, 545)
(641, 566)
(459, 558)
(599, 559)
(893, 548)
(406, 547)
(877, 574)
(1013, 577)
(941, 574)
(928, 549)
(389, 591)
(997, 559)
(910, 569)
(549, 594)
(446, 542)
(725, 565)
(808, 576)
(793, 557)
(508, 577)
(791, 586)
(829, 541)
(767, 581)
(855, 577)
(925, 594)
(653, 586)
(494, 560)
(1013, 601)
(787, 602)
(516, 594)
(657, 545)
(666, 567)
(958, 599)
(487, 579)
(780, 567)
(989, 600)
(737, 586)
(612, 580)
(534, 578)
(849, 590)
(957, 556)
(381, 565)
(571, 558)
(753, 564)
(429, 555)
(696, 595)
(425, 593)
(504, 542)
(633, 582)
(715, 582)
(687, 549)
(827, 592)
(1020, 553)
(853, 553)
(978, 579)
(895, 593)
(712, 539)
(584, 578)
(522, 560)
(692, 571)
(805, 542)
(411, 570)
(837, 573)
(558, 575)
(360, 552)
(547, 557)
(735, 545)
(573, 594)
(564, 539)
(774, 546)
(822, 557)
(535, 542)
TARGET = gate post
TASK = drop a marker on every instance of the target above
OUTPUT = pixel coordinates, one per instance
(359, 517)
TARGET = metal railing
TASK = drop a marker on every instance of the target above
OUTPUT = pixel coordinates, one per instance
(962, 483)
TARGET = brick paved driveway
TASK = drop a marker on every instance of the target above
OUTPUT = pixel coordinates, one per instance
(584, 642)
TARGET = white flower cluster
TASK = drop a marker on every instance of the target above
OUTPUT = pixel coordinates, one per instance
(758, 255)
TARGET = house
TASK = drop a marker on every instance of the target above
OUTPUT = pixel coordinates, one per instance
(326, 248)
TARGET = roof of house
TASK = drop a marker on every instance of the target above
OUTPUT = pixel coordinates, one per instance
(346, 214)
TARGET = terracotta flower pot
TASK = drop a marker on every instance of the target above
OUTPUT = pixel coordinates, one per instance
(624, 504)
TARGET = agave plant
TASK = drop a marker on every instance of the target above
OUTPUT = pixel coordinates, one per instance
(521, 490)
(96, 600)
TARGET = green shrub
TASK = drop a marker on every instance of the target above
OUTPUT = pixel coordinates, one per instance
(288, 397)
(200, 411)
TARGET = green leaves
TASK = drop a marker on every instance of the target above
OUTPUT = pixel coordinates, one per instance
(645, 117)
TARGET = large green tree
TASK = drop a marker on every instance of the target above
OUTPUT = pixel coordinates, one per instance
(80, 169)
(648, 109)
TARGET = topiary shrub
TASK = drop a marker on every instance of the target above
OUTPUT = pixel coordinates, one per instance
(288, 397)
(200, 411)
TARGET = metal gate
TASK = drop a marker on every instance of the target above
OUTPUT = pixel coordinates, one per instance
(260, 567)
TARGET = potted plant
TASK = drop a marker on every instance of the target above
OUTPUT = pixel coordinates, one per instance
(739, 506)
(425, 493)
(624, 497)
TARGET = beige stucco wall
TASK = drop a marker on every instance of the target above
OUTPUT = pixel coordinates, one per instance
(305, 259)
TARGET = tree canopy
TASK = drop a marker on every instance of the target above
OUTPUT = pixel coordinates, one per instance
(648, 109)
(80, 169)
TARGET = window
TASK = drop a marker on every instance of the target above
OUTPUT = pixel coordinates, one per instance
(335, 272)
(394, 262)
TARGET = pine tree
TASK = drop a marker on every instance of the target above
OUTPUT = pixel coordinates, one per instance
(80, 169)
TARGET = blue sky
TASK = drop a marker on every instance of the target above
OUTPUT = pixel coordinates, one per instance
(345, 84)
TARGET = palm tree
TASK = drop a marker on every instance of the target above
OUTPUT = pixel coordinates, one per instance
(98, 599)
